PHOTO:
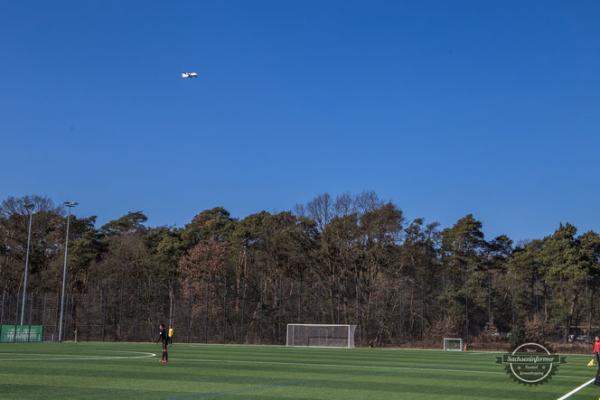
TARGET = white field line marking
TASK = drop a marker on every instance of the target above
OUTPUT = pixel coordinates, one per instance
(71, 357)
(577, 389)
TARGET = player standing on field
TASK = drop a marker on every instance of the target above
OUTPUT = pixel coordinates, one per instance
(597, 355)
(162, 337)
(171, 333)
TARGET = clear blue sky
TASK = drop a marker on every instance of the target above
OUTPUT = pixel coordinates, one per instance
(444, 107)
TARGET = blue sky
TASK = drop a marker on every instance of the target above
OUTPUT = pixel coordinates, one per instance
(445, 108)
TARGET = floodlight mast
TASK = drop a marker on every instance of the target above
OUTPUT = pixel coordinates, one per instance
(29, 207)
(69, 205)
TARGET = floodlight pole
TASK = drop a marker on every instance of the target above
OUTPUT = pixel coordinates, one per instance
(69, 205)
(29, 208)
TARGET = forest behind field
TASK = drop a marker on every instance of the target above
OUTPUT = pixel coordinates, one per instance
(350, 259)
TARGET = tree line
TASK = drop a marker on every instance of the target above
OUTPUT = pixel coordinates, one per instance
(350, 259)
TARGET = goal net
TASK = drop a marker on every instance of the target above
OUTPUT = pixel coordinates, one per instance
(320, 335)
(453, 344)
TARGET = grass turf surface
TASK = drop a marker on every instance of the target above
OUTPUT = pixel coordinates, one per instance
(129, 371)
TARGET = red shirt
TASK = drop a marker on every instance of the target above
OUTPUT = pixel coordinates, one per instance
(596, 347)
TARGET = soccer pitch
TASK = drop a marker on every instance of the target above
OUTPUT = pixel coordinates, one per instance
(132, 371)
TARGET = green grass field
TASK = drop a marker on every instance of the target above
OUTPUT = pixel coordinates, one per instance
(130, 371)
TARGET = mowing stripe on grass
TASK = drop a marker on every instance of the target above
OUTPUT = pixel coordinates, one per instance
(577, 389)
(337, 365)
(353, 366)
(246, 391)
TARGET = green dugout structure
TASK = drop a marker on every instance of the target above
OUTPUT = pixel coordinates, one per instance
(21, 333)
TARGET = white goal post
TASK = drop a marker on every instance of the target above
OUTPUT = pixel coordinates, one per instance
(453, 344)
(320, 335)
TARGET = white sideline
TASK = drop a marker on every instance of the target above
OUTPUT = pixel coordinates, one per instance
(577, 389)
(74, 357)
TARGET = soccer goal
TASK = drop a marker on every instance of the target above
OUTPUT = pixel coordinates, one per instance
(320, 335)
(453, 344)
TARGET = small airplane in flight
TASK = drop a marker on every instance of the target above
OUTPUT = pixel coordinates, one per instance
(186, 75)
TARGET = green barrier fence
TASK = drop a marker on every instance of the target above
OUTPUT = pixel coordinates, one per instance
(21, 333)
